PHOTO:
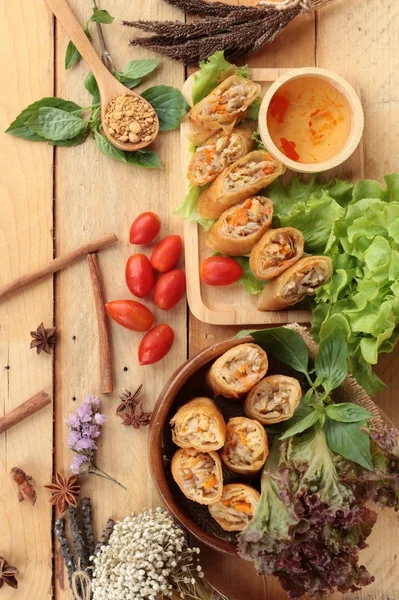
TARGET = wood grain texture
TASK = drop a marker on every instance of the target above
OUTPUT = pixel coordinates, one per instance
(26, 242)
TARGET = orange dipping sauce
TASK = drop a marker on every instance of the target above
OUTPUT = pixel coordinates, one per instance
(309, 120)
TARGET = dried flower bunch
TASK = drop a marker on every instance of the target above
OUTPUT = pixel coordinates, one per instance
(238, 30)
(131, 411)
(64, 492)
(148, 557)
(8, 574)
(43, 339)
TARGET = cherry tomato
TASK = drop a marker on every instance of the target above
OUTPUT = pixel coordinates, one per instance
(155, 344)
(220, 270)
(169, 289)
(145, 228)
(139, 275)
(131, 314)
(166, 254)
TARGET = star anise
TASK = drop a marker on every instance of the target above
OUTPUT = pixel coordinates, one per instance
(130, 410)
(43, 339)
(128, 399)
(8, 574)
(64, 492)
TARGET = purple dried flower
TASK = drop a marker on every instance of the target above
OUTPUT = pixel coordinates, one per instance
(80, 464)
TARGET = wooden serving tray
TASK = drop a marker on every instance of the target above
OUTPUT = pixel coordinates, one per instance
(232, 305)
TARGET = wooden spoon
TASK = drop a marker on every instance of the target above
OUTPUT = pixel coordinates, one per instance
(108, 86)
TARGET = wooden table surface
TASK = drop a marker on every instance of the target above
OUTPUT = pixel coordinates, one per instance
(54, 200)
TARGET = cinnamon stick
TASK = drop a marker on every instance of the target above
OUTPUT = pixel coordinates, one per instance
(25, 410)
(103, 333)
(57, 264)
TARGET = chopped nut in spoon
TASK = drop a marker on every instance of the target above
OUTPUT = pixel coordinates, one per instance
(129, 119)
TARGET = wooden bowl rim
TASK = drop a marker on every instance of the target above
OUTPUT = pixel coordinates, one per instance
(158, 422)
(357, 124)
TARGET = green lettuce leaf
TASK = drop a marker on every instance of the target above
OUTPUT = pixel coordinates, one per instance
(213, 70)
(248, 280)
(187, 209)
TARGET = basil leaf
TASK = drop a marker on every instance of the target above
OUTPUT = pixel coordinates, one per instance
(91, 86)
(105, 147)
(55, 124)
(285, 344)
(347, 440)
(137, 69)
(302, 425)
(144, 158)
(348, 412)
(129, 83)
(300, 413)
(72, 55)
(18, 127)
(331, 363)
(169, 104)
(101, 16)
(72, 142)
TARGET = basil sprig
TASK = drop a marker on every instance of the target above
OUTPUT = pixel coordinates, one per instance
(72, 54)
(342, 423)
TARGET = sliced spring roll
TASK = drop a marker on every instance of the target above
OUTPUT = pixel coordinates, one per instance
(300, 280)
(236, 507)
(217, 153)
(243, 179)
(246, 448)
(236, 372)
(226, 105)
(198, 475)
(274, 399)
(240, 227)
(199, 424)
(276, 251)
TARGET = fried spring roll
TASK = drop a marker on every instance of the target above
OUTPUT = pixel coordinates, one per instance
(277, 250)
(217, 153)
(199, 424)
(243, 179)
(198, 475)
(240, 227)
(226, 105)
(236, 507)
(273, 400)
(300, 280)
(246, 448)
(236, 372)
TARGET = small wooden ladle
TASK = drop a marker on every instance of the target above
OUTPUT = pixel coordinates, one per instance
(108, 86)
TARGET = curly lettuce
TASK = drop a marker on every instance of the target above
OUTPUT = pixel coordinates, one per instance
(213, 71)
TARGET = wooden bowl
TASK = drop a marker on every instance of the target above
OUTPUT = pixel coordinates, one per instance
(173, 395)
(357, 120)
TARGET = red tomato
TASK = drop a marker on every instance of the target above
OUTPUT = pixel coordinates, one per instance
(220, 270)
(155, 344)
(131, 314)
(145, 228)
(139, 275)
(169, 289)
(166, 254)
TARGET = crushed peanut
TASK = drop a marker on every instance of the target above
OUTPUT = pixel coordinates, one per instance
(129, 119)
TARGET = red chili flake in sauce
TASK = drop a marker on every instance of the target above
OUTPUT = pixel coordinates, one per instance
(278, 107)
(289, 149)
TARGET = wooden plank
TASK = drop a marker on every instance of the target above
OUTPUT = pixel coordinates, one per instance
(96, 194)
(26, 38)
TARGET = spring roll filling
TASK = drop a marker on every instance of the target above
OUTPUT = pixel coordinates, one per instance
(248, 174)
(216, 155)
(305, 282)
(247, 218)
(235, 98)
(273, 400)
(279, 250)
(242, 368)
(236, 510)
(199, 472)
(198, 428)
(243, 446)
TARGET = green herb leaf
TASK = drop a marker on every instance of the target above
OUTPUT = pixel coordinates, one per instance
(18, 127)
(348, 412)
(101, 16)
(72, 55)
(79, 139)
(105, 147)
(248, 280)
(347, 440)
(92, 87)
(253, 111)
(55, 124)
(331, 363)
(258, 140)
(148, 159)
(285, 344)
(169, 104)
(302, 425)
(137, 69)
